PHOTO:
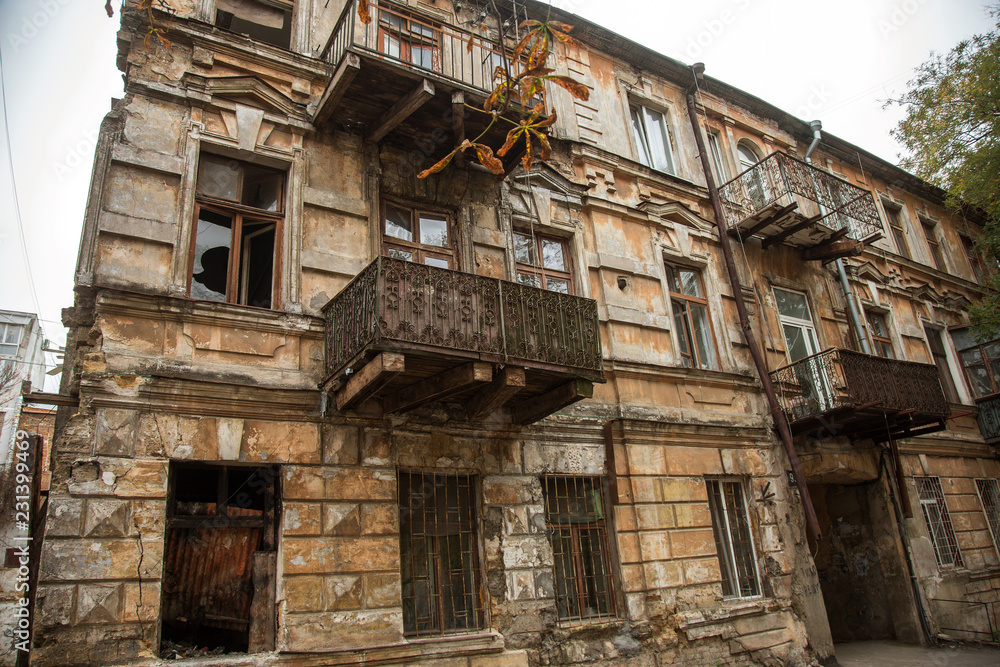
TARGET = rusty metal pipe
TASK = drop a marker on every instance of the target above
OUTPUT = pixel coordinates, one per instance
(812, 523)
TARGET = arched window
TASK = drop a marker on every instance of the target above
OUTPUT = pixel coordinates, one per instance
(749, 155)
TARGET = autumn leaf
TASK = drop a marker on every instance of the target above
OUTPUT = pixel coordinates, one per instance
(488, 160)
(528, 157)
(364, 12)
(443, 162)
(576, 89)
(109, 9)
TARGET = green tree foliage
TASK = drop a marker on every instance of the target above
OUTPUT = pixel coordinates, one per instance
(951, 133)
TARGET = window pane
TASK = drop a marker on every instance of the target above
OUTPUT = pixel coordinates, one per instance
(396, 253)
(659, 141)
(524, 249)
(877, 322)
(552, 255)
(393, 20)
(557, 285)
(434, 230)
(391, 46)
(975, 370)
(796, 341)
(792, 304)
(422, 56)
(262, 187)
(218, 177)
(213, 242)
(690, 283)
(747, 157)
(703, 336)
(683, 327)
(398, 223)
(12, 334)
(639, 132)
(257, 263)
(438, 262)
(529, 279)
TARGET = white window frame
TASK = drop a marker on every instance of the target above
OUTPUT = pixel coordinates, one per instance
(805, 325)
(725, 532)
(714, 145)
(644, 116)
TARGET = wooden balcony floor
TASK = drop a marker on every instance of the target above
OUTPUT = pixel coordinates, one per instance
(864, 423)
(779, 224)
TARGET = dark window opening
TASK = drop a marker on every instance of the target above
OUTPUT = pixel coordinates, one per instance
(940, 356)
(439, 553)
(938, 520)
(221, 533)
(733, 538)
(896, 227)
(975, 259)
(268, 21)
(575, 518)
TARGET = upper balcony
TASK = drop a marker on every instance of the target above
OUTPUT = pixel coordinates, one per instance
(410, 334)
(412, 74)
(788, 201)
(844, 393)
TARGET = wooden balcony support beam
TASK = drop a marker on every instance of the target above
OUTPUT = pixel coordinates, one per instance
(342, 78)
(556, 399)
(774, 217)
(794, 229)
(401, 110)
(375, 375)
(442, 385)
(458, 120)
(827, 253)
(508, 382)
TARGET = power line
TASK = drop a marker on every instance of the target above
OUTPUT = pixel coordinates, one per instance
(13, 185)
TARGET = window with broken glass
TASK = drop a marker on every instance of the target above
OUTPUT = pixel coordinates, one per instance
(981, 362)
(935, 511)
(543, 261)
(268, 21)
(235, 252)
(691, 320)
(733, 538)
(577, 527)
(442, 587)
(417, 235)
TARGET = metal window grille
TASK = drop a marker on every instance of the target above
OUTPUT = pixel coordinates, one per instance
(989, 496)
(577, 527)
(938, 521)
(439, 553)
(733, 538)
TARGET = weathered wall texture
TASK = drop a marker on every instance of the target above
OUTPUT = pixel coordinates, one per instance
(163, 378)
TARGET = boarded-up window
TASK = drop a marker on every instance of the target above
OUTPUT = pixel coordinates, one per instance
(219, 557)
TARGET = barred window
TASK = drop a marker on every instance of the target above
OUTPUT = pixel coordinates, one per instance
(733, 538)
(439, 553)
(574, 515)
(989, 496)
(938, 521)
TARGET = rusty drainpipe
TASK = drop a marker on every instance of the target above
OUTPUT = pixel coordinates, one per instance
(812, 523)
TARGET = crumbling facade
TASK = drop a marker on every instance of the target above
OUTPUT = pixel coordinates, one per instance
(333, 413)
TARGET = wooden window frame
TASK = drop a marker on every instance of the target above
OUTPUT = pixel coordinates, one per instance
(896, 228)
(542, 272)
(408, 37)
(930, 494)
(940, 358)
(239, 212)
(985, 359)
(735, 584)
(420, 251)
(682, 300)
(881, 343)
(974, 258)
(930, 235)
(579, 580)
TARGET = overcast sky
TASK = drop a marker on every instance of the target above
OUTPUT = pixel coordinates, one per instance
(835, 61)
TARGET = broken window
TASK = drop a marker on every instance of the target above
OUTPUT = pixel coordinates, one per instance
(696, 344)
(980, 361)
(652, 138)
(237, 232)
(267, 21)
(575, 520)
(938, 521)
(417, 235)
(439, 553)
(989, 496)
(543, 261)
(733, 538)
(218, 577)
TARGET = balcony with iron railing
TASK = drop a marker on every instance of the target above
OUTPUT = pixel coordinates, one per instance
(406, 70)
(989, 418)
(787, 201)
(408, 334)
(844, 393)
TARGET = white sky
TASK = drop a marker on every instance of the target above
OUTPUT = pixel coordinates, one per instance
(835, 61)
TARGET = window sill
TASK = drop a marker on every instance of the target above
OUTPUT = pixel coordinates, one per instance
(589, 623)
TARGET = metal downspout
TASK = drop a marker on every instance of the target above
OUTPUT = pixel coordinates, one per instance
(812, 523)
(852, 306)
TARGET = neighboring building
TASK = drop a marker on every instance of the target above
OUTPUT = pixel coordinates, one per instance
(332, 413)
(21, 359)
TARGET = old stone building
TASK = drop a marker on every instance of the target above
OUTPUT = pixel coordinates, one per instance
(331, 413)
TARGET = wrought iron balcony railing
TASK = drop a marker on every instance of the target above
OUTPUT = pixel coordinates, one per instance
(394, 304)
(780, 181)
(865, 390)
(416, 42)
(989, 419)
